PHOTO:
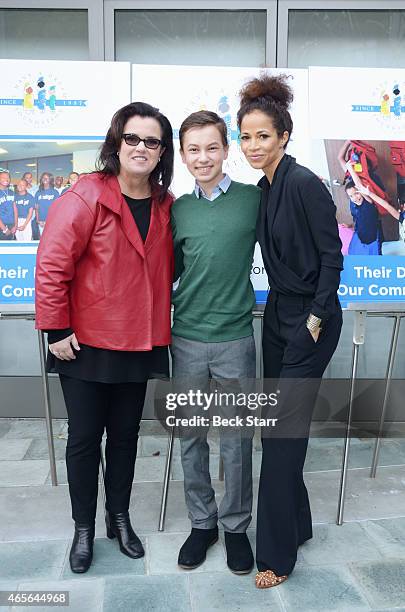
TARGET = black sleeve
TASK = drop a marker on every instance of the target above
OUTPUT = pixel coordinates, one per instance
(321, 214)
(55, 335)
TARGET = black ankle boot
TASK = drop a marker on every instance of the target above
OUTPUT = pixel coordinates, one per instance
(81, 553)
(119, 526)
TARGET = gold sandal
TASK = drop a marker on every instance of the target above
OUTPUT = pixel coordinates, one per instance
(267, 579)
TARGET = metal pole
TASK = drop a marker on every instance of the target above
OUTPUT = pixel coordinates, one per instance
(47, 405)
(166, 479)
(390, 366)
(343, 476)
(102, 462)
(221, 469)
(358, 338)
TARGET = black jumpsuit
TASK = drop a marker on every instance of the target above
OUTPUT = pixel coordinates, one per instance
(298, 235)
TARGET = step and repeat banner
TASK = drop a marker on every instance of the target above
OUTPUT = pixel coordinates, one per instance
(53, 117)
(349, 128)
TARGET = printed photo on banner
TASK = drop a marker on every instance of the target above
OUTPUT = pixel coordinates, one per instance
(362, 154)
(367, 179)
(30, 184)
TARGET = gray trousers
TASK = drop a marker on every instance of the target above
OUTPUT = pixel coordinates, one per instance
(196, 364)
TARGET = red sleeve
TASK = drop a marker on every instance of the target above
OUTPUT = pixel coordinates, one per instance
(67, 231)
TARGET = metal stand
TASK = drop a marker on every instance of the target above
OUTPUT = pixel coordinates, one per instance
(391, 359)
(358, 339)
(14, 312)
(396, 310)
(102, 463)
(166, 479)
(47, 405)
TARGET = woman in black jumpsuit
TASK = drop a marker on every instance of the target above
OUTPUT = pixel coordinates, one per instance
(301, 249)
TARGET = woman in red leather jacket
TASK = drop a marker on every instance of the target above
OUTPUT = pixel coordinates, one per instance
(103, 288)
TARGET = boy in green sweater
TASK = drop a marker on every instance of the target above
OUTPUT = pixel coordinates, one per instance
(214, 238)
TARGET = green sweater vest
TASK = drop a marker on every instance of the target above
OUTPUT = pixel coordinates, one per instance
(214, 246)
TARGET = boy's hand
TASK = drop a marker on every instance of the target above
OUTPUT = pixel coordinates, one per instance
(364, 190)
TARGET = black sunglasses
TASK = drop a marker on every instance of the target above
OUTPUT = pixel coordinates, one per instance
(133, 140)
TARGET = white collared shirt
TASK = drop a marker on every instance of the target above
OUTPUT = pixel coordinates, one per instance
(222, 187)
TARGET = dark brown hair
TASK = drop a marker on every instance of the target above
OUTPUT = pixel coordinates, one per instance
(201, 119)
(108, 162)
(271, 95)
(350, 185)
(51, 180)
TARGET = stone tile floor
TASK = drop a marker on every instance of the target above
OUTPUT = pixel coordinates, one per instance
(358, 566)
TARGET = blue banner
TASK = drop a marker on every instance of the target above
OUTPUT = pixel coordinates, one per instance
(17, 273)
(372, 278)
(369, 279)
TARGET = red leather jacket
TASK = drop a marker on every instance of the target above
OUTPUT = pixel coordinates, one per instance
(95, 275)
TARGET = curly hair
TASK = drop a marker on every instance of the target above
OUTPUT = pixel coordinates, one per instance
(271, 95)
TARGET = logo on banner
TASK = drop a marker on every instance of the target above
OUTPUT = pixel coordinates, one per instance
(40, 99)
(389, 104)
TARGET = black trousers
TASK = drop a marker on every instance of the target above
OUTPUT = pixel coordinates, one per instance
(293, 364)
(93, 407)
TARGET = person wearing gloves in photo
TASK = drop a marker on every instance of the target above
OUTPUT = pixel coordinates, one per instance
(298, 235)
(214, 239)
(103, 292)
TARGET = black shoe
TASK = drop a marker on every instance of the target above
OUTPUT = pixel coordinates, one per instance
(81, 553)
(194, 549)
(118, 525)
(239, 556)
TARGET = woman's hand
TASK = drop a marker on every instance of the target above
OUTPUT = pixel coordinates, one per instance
(63, 349)
(315, 334)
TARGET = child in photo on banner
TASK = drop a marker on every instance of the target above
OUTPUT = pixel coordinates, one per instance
(8, 209)
(394, 247)
(25, 204)
(44, 197)
(366, 237)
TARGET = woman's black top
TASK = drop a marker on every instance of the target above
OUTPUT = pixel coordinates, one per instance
(298, 235)
(104, 365)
